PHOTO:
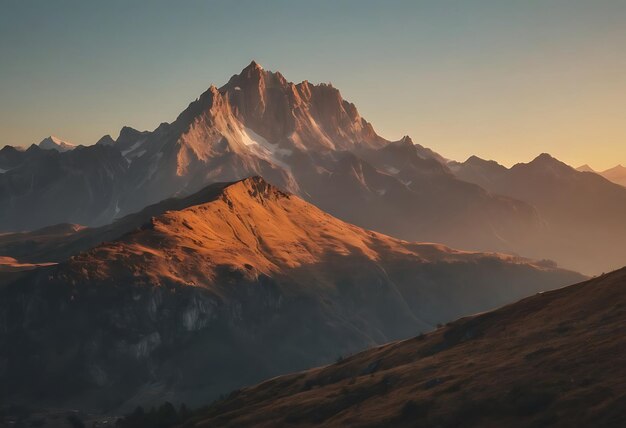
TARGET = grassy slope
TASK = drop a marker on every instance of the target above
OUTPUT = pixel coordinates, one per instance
(556, 358)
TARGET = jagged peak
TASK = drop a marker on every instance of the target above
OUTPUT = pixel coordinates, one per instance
(55, 143)
(254, 76)
(255, 187)
(407, 138)
(404, 145)
(254, 65)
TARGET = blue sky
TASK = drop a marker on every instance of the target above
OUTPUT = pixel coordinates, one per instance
(505, 80)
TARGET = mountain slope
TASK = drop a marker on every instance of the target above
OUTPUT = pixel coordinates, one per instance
(617, 175)
(554, 359)
(585, 168)
(307, 139)
(235, 284)
(55, 143)
(583, 212)
(46, 187)
(304, 138)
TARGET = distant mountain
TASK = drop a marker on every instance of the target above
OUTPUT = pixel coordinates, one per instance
(46, 187)
(585, 168)
(616, 174)
(54, 143)
(231, 285)
(554, 359)
(584, 212)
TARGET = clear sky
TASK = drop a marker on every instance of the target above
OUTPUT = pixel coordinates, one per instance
(502, 79)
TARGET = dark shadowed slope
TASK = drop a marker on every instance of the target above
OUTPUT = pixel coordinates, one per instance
(554, 359)
(242, 283)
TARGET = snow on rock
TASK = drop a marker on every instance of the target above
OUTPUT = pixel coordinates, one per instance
(264, 149)
(128, 153)
(55, 143)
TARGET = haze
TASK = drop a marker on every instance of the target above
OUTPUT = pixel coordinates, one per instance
(502, 81)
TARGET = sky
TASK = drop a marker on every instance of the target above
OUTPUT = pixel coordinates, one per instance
(502, 79)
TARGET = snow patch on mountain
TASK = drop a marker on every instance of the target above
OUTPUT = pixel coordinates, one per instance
(130, 152)
(55, 143)
(264, 149)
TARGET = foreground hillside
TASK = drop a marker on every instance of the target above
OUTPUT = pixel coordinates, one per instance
(554, 359)
(227, 287)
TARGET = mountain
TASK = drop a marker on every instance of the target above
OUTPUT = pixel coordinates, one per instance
(54, 143)
(106, 140)
(302, 137)
(583, 212)
(617, 175)
(308, 140)
(10, 157)
(585, 168)
(46, 187)
(236, 283)
(553, 359)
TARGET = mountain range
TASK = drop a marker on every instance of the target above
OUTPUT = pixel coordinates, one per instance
(269, 229)
(582, 212)
(307, 140)
(617, 174)
(553, 359)
(239, 282)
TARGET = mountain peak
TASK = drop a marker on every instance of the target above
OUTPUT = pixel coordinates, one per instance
(475, 160)
(55, 143)
(106, 140)
(255, 187)
(546, 162)
(544, 157)
(616, 168)
(585, 168)
(617, 175)
(406, 140)
(254, 65)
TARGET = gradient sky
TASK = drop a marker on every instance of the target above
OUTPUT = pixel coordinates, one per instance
(504, 80)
